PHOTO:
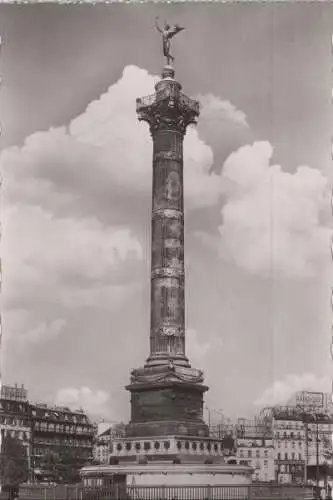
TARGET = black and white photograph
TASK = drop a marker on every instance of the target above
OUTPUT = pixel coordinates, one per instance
(166, 251)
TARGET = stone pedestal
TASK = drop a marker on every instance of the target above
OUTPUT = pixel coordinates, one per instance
(166, 400)
(156, 481)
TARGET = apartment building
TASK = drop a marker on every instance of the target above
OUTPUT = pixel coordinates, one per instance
(255, 447)
(15, 415)
(55, 428)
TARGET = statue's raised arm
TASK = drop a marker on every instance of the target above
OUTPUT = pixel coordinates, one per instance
(157, 26)
(167, 33)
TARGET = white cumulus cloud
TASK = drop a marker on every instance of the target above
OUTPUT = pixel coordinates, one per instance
(45, 255)
(282, 390)
(196, 349)
(72, 198)
(271, 218)
(101, 155)
(94, 402)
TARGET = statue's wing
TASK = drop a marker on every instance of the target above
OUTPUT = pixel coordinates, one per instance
(176, 29)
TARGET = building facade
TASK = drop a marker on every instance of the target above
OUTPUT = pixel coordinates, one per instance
(55, 428)
(289, 449)
(303, 439)
(15, 416)
(104, 441)
(255, 447)
(101, 449)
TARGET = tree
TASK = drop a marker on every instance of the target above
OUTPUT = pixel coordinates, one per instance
(49, 465)
(63, 464)
(228, 444)
(13, 465)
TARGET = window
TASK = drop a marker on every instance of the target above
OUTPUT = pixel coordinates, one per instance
(194, 446)
(179, 445)
(286, 456)
(249, 453)
(258, 453)
(300, 456)
(265, 463)
(293, 455)
(286, 444)
(293, 444)
(128, 445)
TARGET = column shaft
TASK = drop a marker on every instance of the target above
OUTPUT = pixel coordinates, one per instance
(167, 260)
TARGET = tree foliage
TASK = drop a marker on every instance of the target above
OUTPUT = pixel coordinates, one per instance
(228, 444)
(13, 462)
(63, 464)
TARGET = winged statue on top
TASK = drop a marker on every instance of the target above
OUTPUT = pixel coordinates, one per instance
(167, 33)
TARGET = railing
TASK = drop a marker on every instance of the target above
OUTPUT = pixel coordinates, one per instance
(190, 103)
(187, 492)
(186, 101)
(145, 101)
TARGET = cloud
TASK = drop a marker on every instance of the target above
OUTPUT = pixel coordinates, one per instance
(196, 350)
(45, 257)
(93, 402)
(19, 329)
(271, 218)
(44, 332)
(216, 110)
(103, 158)
(223, 127)
(282, 390)
(76, 201)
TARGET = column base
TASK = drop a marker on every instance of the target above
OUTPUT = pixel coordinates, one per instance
(164, 359)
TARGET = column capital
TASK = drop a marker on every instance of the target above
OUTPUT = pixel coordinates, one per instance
(168, 109)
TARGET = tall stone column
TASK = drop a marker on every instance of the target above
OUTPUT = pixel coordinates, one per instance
(168, 113)
(167, 393)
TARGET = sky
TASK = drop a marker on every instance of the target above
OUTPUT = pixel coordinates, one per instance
(76, 199)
